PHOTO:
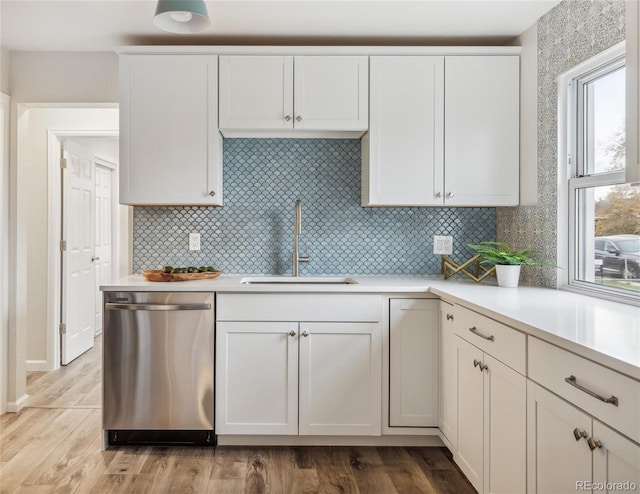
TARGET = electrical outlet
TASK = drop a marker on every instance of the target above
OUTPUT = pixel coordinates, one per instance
(194, 241)
(443, 244)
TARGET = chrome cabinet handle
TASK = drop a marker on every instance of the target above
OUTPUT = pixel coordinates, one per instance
(305, 333)
(475, 331)
(438, 194)
(292, 333)
(287, 117)
(212, 193)
(94, 259)
(594, 443)
(157, 307)
(450, 195)
(571, 380)
(299, 118)
(449, 317)
(483, 367)
(476, 363)
(578, 434)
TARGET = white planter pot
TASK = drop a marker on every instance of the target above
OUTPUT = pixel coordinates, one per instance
(508, 276)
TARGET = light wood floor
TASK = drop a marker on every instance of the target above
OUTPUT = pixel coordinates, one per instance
(53, 445)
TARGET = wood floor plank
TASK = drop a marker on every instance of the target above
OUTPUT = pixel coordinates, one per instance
(334, 471)
(407, 477)
(31, 424)
(193, 471)
(230, 463)
(369, 472)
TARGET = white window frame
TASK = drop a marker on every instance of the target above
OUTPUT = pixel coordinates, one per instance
(571, 152)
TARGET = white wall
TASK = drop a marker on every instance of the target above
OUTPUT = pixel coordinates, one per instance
(32, 161)
(64, 77)
(529, 116)
(4, 71)
(4, 247)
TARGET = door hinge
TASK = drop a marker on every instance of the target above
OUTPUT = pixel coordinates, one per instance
(63, 328)
(63, 245)
(63, 163)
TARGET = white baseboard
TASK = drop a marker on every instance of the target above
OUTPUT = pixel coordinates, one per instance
(16, 406)
(241, 440)
(37, 365)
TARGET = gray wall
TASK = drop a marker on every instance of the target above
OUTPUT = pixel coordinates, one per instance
(574, 31)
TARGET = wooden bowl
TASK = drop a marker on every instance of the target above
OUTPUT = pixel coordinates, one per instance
(159, 275)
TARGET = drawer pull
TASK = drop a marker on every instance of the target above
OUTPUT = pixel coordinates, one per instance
(449, 317)
(476, 363)
(594, 443)
(578, 434)
(475, 331)
(572, 381)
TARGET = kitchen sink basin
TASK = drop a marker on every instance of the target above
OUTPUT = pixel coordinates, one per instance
(298, 280)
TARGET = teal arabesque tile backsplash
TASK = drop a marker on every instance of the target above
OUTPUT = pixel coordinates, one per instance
(252, 232)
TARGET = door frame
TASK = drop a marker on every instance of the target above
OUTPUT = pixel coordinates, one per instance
(54, 277)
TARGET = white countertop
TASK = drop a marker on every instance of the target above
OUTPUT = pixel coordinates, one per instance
(603, 331)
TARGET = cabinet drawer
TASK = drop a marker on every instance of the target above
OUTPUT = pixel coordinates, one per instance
(551, 367)
(298, 307)
(496, 339)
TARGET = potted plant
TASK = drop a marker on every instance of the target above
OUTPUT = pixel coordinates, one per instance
(506, 261)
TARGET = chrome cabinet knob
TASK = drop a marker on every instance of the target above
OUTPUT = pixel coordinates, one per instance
(450, 195)
(476, 363)
(94, 259)
(438, 195)
(287, 117)
(292, 333)
(299, 118)
(305, 333)
(212, 193)
(578, 434)
(449, 317)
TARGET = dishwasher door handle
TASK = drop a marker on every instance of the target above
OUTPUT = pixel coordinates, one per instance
(165, 307)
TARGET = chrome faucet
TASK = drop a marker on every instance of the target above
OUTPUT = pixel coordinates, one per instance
(297, 230)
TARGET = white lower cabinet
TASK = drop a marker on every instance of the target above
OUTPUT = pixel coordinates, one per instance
(257, 384)
(413, 362)
(491, 397)
(340, 379)
(568, 451)
(448, 417)
(289, 378)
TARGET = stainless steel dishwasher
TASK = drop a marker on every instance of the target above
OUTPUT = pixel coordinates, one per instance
(158, 365)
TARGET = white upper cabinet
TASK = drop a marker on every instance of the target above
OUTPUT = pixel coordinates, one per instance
(406, 134)
(331, 93)
(481, 128)
(444, 131)
(256, 92)
(170, 147)
(325, 93)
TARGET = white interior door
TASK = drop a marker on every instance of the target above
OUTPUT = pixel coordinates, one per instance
(103, 262)
(78, 231)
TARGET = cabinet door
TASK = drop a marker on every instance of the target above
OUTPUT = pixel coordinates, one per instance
(482, 98)
(448, 422)
(405, 140)
(331, 92)
(256, 92)
(340, 379)
(616, 460)
(169, 152)
(413, 363)
(469, 456)
(256, 378)
(555, 459)
(505, 428)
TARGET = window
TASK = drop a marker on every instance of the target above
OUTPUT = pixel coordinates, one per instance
(604, 211)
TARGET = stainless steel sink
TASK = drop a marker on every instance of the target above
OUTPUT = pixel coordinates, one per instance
(298, 280)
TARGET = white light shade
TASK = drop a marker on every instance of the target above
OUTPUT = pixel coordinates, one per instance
(181, 16)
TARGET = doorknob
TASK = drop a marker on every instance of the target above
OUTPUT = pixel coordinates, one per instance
(94, 259)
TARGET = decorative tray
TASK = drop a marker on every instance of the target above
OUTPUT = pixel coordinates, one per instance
(159, 275)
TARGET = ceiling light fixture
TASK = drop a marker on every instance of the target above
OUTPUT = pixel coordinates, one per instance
(181, 16)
